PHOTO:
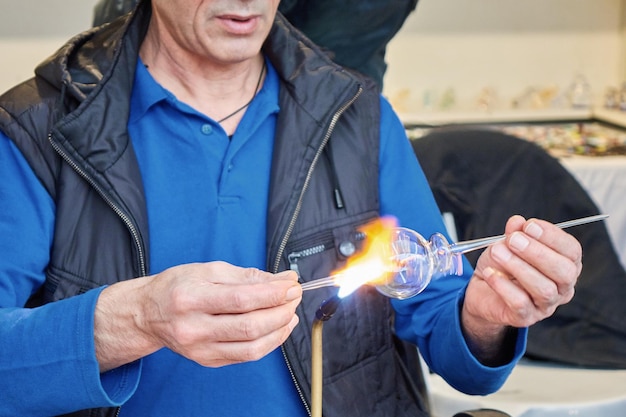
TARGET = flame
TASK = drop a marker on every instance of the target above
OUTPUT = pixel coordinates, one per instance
(373, 264)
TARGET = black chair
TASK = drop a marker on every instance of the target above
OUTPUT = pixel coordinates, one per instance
(483, 176)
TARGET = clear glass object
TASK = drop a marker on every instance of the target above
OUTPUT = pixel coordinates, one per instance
(417, 261)
(580, 93)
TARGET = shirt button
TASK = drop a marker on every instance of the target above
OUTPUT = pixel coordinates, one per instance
(206, 129)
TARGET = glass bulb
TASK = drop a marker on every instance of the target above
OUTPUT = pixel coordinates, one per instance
(412, 253)
(418, 262)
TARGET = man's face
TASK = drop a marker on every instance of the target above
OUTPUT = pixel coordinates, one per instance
(226, 31)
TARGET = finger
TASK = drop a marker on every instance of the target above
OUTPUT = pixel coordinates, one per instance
(514, 223)
(237, 351)
(547, 276)
(554, 237)
(559, 259)
(288, 275)
(254, 275)
(548, 233)
(518, 308)
(223, 272)
(197, 331)
(221, 353)
(248, 326)
(234, 299)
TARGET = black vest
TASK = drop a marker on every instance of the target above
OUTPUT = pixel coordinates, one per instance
(70, 124)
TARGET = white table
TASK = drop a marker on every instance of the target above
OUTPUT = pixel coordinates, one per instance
(604, 178)
(541, 390)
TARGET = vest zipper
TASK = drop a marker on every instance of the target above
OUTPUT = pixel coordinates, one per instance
(129, 224)
(294, 257)
(307, 180)
(292, 223)
(327, 243)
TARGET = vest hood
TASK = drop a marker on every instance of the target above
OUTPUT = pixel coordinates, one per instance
(79, 67)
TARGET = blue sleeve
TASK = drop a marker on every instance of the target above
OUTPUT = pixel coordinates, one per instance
(432, 318)
(47, 354)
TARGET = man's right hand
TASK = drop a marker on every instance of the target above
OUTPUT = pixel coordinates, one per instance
(213, 313)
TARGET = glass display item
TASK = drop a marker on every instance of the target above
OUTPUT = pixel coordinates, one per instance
(580, 92)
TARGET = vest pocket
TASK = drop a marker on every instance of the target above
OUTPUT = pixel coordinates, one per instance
(60, 285)
(318, 255)
(360, 332)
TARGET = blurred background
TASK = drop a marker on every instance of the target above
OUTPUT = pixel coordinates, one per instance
(450, 54)
(30, 30)
(492, 52)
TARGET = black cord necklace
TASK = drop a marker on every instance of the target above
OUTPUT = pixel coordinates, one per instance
(256, 90)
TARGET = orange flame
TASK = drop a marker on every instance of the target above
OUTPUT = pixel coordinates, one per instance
(373, 264)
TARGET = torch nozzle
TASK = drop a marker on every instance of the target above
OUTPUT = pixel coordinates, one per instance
(327, 308)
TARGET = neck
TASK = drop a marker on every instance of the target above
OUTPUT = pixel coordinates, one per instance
(213, 88)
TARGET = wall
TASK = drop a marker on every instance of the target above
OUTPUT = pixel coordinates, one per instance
(30, 30)
(505, 45)
(464, 45)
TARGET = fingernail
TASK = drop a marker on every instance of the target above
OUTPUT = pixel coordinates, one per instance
(285, 274)
(519, 241)
(534, 230)
(294, 322)
(294, 292)
(489, 271)
(500, 252)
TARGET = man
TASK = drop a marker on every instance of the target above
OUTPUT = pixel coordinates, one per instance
(354, 33)
(156, 165)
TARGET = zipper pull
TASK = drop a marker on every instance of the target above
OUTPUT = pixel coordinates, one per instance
(293, 258)
(338, 198)
(334, 178)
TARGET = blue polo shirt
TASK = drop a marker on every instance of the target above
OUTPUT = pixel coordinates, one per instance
(206, 200)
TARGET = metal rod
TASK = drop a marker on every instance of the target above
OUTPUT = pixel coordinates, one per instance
(471, 245)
